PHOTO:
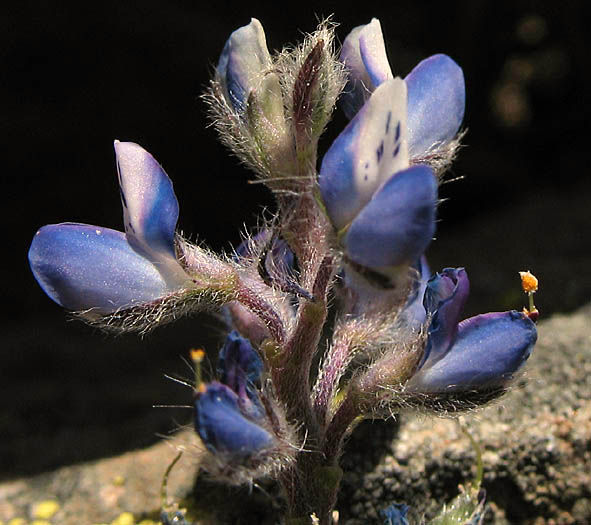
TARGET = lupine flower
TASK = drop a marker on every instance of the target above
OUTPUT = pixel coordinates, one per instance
(247, 103)
(223, 425)
(229, 413)
(482, 352)
(99, 270)
(383, 209)
(240, 368)
(395, 514)
(436, 92)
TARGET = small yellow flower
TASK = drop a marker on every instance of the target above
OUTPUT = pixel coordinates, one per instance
(44, 510)
(125, 518)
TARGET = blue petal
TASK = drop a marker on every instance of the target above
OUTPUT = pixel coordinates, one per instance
(242, 63)
(150, 207)
(436, 100)
(364, 55)
(222, 427)
(373, 53)
(488, 350)
(445, 297)
(414, 311)
(85, 267)
(398, 223)
(367, 153)
(240, 367)
(395, 514)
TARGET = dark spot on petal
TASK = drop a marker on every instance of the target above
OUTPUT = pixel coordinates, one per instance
(380, 151)
(388, 122)
(396, 151)
(397, 134)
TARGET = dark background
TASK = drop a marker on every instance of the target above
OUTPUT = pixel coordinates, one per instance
(75, 77)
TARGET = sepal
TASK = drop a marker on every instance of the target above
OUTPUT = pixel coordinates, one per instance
(312, 79)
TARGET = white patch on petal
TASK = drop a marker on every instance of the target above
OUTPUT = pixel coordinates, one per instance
(381, 148)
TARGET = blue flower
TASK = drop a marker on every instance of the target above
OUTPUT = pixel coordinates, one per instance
(436, 91)
(240, 368)
(482, 352)
(223, 426)
(395, 514)
(243, 62)
(383, 209)
(413, 313)
(229, 415)
(99, 270)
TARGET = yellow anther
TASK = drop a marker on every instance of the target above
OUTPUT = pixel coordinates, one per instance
(201, 388)
(529, 282)
(197, 354)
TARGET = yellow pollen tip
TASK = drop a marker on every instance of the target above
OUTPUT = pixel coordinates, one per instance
(197, 355)
(529, 282)
(201, 388)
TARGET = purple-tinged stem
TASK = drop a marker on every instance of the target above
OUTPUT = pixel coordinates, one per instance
(339, 356)
(263, 311)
